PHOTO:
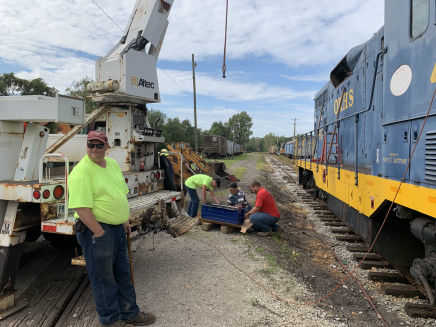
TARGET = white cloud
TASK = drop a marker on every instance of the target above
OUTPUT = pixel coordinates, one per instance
(291, 32)
(205, 115)
(323, 77)
(45, 37)
(174, 82)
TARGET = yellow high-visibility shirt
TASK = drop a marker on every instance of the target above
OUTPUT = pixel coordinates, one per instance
(103, 190)
(199, 180)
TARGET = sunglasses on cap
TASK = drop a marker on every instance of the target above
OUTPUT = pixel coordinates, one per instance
(98, 145)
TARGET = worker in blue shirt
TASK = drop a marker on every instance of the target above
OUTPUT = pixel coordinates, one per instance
(237, 198)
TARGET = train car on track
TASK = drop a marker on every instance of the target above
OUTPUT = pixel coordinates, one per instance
(289, 149)
(373, 159)
(213, 145)
(216, 146)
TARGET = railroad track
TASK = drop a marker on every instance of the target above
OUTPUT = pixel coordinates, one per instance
(392, 281)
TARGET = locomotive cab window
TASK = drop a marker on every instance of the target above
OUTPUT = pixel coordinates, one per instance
(420, 17)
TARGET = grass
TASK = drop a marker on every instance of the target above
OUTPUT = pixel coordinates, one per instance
(260, 163)
(286, 160)
(239, 172)
(232, 160)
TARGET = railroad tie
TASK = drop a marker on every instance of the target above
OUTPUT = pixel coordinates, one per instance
(349, 238)
(387, 277)
(368, 264)
(402, 290)
(334, 224)
(367, 256)
(420, 310)
(342, 230)
(357, 248)
(330, 220)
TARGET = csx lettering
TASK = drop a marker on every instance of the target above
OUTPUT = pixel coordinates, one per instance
(347, 101)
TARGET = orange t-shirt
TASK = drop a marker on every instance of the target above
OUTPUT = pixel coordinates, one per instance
(266, 203)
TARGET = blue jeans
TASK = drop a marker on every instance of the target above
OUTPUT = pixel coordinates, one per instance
(263, 222)
(108, 268)
(193, 204)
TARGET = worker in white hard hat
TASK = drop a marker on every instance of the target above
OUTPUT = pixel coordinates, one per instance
(164, 152)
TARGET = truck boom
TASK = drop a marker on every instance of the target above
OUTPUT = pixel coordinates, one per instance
(132, 62)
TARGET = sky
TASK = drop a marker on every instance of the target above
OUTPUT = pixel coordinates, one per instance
(279, 53)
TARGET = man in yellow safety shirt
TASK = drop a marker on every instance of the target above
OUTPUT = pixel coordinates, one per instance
(98, 193)
(205, 183)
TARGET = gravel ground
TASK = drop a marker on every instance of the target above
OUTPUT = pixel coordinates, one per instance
(192, 281)
(216, 279)
(390, 306)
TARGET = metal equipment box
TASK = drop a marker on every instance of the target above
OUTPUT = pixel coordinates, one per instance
(40, 108)
(222, 214)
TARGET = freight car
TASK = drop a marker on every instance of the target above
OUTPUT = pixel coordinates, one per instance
(215, 146)
(374, 156)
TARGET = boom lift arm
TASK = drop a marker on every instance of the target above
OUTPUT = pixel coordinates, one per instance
(130, 67)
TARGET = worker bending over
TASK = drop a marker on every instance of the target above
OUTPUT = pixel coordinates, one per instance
(265, 215)
(206, 183)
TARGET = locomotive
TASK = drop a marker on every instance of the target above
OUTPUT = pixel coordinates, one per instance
(372, 153)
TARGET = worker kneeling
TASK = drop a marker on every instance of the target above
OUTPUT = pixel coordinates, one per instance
(265, 215)
(205, 183)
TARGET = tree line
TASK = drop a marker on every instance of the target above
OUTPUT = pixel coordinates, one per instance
(237, 128)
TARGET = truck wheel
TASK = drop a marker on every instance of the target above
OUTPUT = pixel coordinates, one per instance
(33, 234)
(61, 241)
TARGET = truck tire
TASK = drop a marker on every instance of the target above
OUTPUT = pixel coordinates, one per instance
(61, 241)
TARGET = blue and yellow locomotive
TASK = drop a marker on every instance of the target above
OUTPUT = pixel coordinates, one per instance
(373, 149)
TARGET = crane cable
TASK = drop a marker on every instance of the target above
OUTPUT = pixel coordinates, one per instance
(107, 15)
(225, 40)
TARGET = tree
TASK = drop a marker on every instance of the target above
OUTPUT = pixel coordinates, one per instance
(79, 89)
(174, 131)
(255, 144)
(240, 128)
(157, 119)
(221, 129)
(13, 85)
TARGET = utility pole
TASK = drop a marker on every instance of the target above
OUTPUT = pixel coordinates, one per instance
(195, 104)
(295, 126)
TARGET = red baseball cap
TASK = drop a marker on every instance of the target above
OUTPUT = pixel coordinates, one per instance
(98, 136)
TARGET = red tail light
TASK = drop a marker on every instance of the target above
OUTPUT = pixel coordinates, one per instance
(46, 194)
(58, 192)
(37, 195)
(126, 180)
(158, 175)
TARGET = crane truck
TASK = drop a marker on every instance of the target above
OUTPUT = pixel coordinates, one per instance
(35, 165)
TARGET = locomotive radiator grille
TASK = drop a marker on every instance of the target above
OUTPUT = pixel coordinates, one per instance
(430, 157)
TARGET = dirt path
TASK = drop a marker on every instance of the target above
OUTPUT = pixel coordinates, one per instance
(299, 250)
(209, 279)
(215, 279)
